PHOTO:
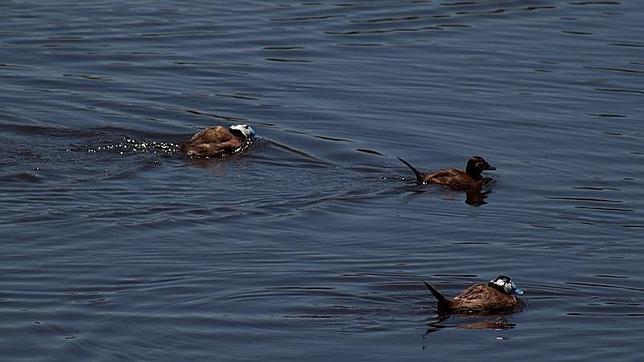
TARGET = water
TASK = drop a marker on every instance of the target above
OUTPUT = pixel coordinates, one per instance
(313, 244)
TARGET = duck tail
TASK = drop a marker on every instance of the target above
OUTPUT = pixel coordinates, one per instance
(419, 175)
(442, 301)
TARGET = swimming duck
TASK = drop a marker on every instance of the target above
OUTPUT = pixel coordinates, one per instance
(455, 179)
(218, 141)
(497, 296)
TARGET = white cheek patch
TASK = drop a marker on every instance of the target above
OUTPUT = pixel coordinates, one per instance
(247, 130)
(507, 287)
(500, 283)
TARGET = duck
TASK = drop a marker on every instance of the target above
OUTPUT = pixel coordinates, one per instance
(499, 295)
(455, 179)
(219, 141)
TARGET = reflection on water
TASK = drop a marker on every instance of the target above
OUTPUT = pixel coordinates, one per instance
(491, 322)
(473, 198)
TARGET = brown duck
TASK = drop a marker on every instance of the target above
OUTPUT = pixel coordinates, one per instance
(499, 295)
(218, 141)
(455, 179)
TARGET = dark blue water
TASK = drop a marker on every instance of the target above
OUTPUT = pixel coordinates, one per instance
(313, 244)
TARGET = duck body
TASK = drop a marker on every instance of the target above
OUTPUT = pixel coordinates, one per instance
(497, 296)
(455, 179)
(218, 141)
(452, 178)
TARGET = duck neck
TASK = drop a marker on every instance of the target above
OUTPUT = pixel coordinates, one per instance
(473, 173)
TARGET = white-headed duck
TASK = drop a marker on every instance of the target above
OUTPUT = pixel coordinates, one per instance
(499, 295)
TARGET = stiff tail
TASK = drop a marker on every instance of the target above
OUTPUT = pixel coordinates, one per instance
(419, 175)
(442, 301)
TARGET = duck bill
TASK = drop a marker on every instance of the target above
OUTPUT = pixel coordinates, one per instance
(518, 291)
(490, 168)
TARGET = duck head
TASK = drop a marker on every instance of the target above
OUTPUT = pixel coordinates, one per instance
(476, 165)
(242, 130)
(505, 285)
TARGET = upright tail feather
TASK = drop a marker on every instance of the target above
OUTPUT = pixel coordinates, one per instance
(419, 175)
(443, 302)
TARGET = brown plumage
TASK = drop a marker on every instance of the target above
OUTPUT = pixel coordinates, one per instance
(497, 296)
(218, 141)
(455, 179)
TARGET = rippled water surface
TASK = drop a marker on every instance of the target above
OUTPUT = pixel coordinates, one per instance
(313, 244)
